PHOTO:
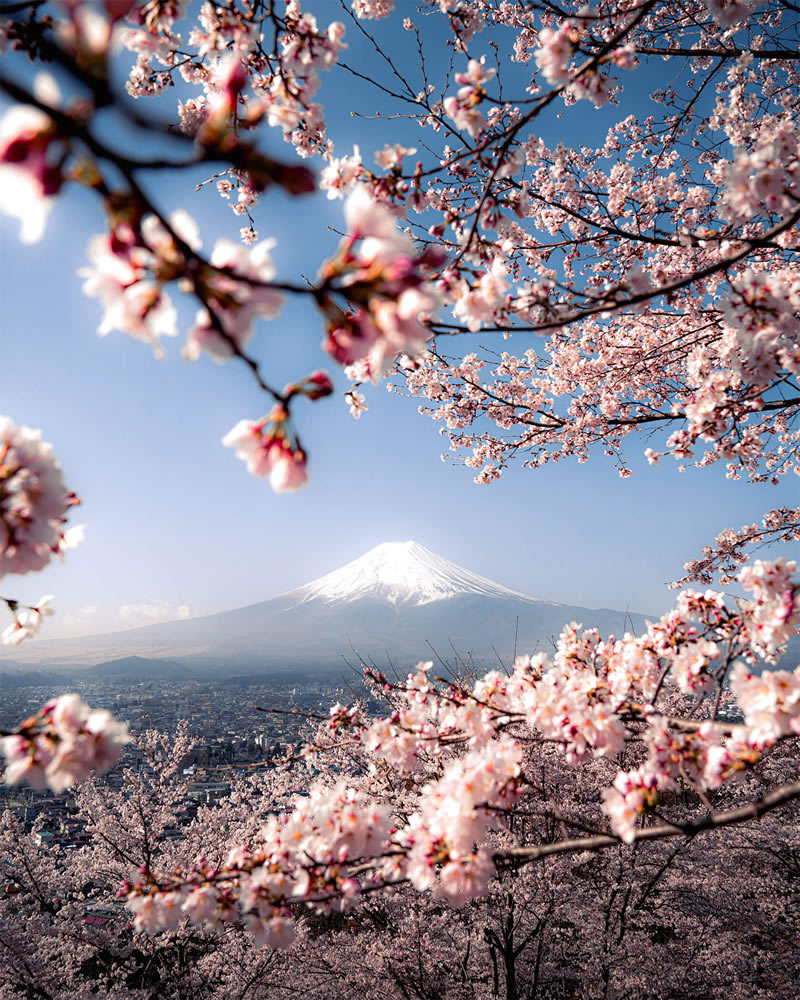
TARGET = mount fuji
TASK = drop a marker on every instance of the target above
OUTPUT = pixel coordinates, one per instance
(404, 574)
(398, 601)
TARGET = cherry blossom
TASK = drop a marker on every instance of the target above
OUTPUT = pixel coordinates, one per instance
(556, 46)
(463, 108)
(30, 174)
(630, 271)
(775, 609)
(770, 702)
(730, 549)
(62, 743)
(341, 173)
(392, 155)
(460, 753)
(129, 268)
(372, 8)
(236, 287)
(728, 13)
(267, 449)
(26, 620)
(676, 887)
(357, 403)
(34, 502)
(597, 246)
(386, 282)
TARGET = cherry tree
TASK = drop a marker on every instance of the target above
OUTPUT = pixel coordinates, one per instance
(680, 912)
(64, 933)
(645, 281)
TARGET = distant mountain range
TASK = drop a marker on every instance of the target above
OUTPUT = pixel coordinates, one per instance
(126, 667)
(397, 604)
(399, 601)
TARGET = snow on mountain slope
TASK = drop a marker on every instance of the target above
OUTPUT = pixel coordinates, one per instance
(401, 573)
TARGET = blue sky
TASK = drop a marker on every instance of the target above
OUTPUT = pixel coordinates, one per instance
(175, 523)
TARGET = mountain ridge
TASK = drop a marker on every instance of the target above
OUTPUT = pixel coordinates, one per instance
(397, 599)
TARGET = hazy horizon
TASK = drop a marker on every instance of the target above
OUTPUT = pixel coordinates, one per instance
(48, 644)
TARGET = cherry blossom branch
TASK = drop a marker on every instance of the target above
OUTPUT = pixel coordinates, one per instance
(727, 53)
(588, 67)
(616, 304)
(729, 552)
(753, 810)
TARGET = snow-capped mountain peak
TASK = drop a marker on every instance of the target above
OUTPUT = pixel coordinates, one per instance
(401, 573)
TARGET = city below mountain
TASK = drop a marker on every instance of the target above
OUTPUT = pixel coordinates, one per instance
(398, 603)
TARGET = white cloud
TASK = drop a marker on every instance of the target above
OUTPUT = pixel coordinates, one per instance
(146, 612)
(83, 616)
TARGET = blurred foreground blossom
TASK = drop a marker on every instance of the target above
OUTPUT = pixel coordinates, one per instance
(34, 501)
(27, 621)
(61, 744)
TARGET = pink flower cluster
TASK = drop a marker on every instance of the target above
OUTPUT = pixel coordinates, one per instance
(34, 501)
(454, 814)
(266, 446)
(481, 302)
(381, 275)
(129, 267)
(632, 794)
(331, 825)
(26, 620)
(372, 8)
(700, 759)
(236, 287)
(409, 729)
(62, 743)
(579, 698)
(554, 58)
(764, 177)
(341, 174)
(392, 155)
(555, 49)
(728, 13)
(132, 264)
(770, 702)
(762, 309)
(463, 109)
(455, 759)
(286, 96)
(304, 859)
(773, 615)
(729, 551)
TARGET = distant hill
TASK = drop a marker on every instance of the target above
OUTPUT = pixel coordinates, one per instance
(142, 668)
(31, 678)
